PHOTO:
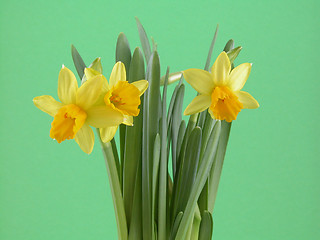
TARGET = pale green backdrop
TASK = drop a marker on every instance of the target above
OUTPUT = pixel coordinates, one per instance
(270, 182)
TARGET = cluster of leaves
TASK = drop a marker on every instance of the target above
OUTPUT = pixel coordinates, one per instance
(150, 202)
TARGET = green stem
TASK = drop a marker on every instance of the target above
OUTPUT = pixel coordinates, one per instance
(115, 189)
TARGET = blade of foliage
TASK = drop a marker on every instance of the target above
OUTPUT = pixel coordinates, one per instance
(163, 172)
(154, 101)
(206, 67)
(135, 230)
(123, 54)
(155, 171)
(181, 132)
(201, 178)
(206, 226)
(116, 156)
(172, 101)
(207, 128)
(188, 169)
(115, 190)
(146, 187)
(195, 224)
(78, 61)
(176, 121)
(133, 135)
(151, 125)
(175, 226)
(144, 40)
(216, 169)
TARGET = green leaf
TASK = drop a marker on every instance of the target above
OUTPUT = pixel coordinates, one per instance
(176, 121)
(78, 62)
(155, 171)
(233, 54)
(201, 178)
(173, 77)
(181, 132)
(135, 230)
(152, 104)
(163, 172)
(133, 144)
(206, 226)
(188, 169)
(115, 189)
(175, 226)
(215, 173)
(136, 71)
(195, 224)
(206, 67)
(123, 52)
(144, 40)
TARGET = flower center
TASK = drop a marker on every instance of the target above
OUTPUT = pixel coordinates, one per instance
(67, 122)
(124, 97)
(225, 104)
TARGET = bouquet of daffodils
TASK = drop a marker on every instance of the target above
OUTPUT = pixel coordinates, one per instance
(163, 173)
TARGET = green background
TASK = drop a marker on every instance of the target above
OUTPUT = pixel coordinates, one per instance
(270, 182)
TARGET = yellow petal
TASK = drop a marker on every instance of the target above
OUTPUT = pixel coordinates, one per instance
(247, 100)
(128, 120)
(142, 85)
(47, 104)
(198, 104)
(221, 69)
(67, 86)
(108, 133)
(85, 138)
(239, 76)
(89, 92)
(200, 80)
(118, 74)
(103, 116)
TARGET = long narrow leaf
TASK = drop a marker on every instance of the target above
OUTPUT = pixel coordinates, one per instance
(176, 121)
(123, 54)
(215, 173)
(206, 67)
(163, 172)
(78, 61)
(144, 40)
(206, 226)
(188, 170)
(135, 230)
(175, 226)
(201, 178)
(133, 142)
(115, 190)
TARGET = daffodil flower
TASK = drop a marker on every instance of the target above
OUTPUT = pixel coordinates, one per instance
(77, 110)
(220, 91)
(119, 95)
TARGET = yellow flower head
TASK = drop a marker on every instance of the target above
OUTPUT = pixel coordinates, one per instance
(220, 90)
(120, 95)
(77, 110)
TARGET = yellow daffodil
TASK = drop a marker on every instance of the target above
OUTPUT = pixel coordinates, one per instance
(77, 110)
(220, 90)
(120, 95)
